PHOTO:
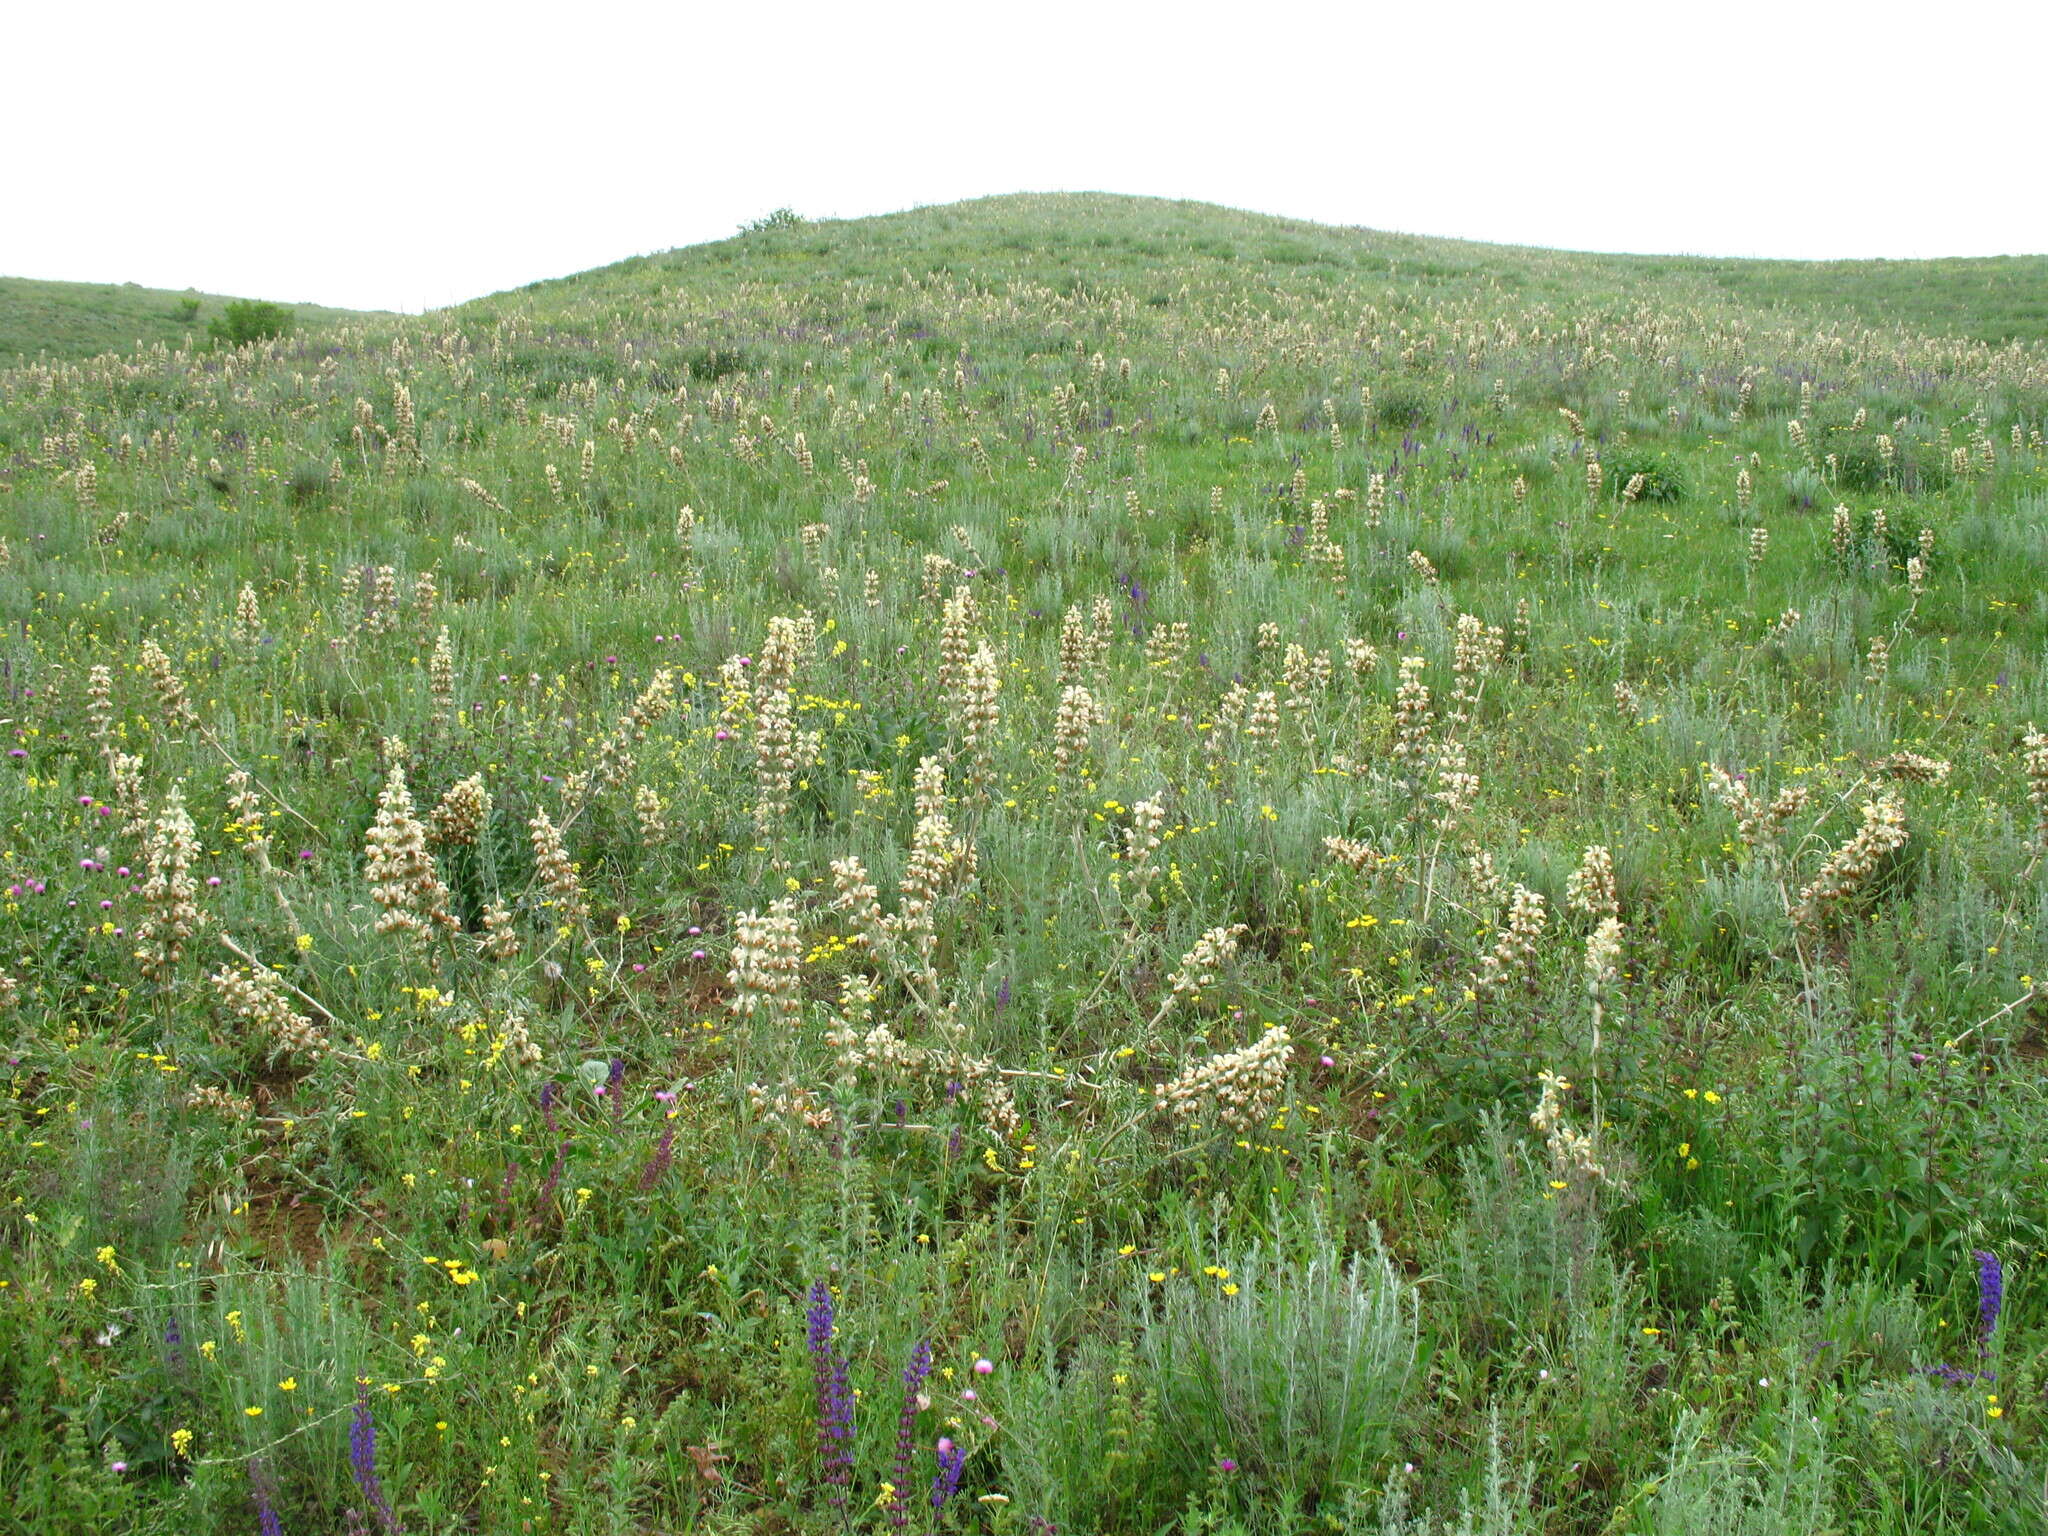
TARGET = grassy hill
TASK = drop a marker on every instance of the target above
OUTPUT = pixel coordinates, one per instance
(1057, 864)
(1990, 298)
(75, 320)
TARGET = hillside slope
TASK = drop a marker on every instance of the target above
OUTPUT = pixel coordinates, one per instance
(1065, 864)
(1123, 239)
(75, 320)
(1989, 298)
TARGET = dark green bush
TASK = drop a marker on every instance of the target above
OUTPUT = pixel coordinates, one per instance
(247, 320)
(1916, 470)
(1400, 410)
(1292, 253)
(307, 482)
(1662, 479)
(779, 218)
(1860, 469)
(716, 362)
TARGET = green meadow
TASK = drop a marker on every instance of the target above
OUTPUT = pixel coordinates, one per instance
(1060, 865)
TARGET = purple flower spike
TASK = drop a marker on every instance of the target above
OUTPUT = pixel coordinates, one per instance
(1990, 1294)
(613, 1078)
(664, 1155)
(952, 1458)
(834, 1395)
(914, 1375)
(547, 1104)
(263, 1490)
(362, 1460)
(174, 1346)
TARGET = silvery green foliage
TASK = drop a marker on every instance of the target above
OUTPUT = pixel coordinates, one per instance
(1784, 1491)
(1503, 1509)
(1300, 1372)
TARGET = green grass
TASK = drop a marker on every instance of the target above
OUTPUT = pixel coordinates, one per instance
(1029, 1104)
(68, 321)
(1983, 298)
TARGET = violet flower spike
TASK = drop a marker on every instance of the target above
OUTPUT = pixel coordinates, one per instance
(664, 1155)
(547, 1105)
(1990, 1294)
(362, 1460)
(263, 1490)
(914, 1375)
(505, 1192)
(952, 1459)
(834, 1395)
(174, 1348)
(545, 1202)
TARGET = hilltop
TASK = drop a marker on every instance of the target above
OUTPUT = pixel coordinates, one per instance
(1057, 236)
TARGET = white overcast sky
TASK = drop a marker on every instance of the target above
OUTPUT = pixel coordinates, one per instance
(369, 154)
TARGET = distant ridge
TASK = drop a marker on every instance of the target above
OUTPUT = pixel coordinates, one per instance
(1060, 236)
(75, 320)
(1992, 299)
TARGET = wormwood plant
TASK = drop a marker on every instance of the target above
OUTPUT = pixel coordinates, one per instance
(1302, 1368)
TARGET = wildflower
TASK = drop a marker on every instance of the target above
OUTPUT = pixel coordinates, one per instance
(1591, 888)
(1077, 716)
(400, 870)
(1241, 1086)
(1990, 1293)
(170, 893)
(170, 689)
(2035, 762)
(1514, 952)
(263, 1491)
(914, 1375)
(834, 1395)
(555, 872)
(1199, 965)
(462, 813)
(766, 956)
(258, 1000)
(1571, 1152)
(1851, 865)
(362, 1460)
(1603, 953)
(659, 1163)
(952, 1458)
